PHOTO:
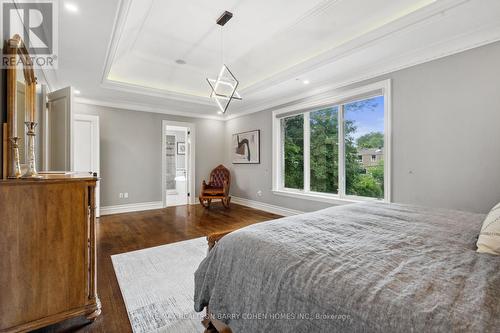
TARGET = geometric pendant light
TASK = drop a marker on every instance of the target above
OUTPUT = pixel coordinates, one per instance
(224, 88)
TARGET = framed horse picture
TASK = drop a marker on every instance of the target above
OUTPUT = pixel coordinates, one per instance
(246, 147)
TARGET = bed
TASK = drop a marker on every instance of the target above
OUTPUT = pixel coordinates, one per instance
(360, 267)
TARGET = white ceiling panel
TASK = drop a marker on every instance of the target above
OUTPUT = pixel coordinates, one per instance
(125, 51)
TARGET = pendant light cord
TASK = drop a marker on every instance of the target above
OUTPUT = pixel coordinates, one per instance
(222, 45)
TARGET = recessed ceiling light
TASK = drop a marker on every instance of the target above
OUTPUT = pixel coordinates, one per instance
(71, 7)
(77, 92)
(180, 62)
(306, 82)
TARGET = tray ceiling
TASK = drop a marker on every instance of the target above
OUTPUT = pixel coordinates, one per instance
(259, 42)
(271, 46)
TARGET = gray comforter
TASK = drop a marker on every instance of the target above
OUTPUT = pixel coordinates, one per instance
(364, 267)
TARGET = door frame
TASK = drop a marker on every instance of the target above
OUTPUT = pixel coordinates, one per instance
(94, 121)
(49, 97)
(191, 160)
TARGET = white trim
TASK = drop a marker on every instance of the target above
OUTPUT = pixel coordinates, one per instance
(276, 162)
(128, 208)
(95, 159)
(365, 76)
(71, 126)
(155, 92)
(388, 141)
(265, 207)
(117, 32)
(321, 197)
(356, 43)
(307, 151)
(44, 134)
(144, 108)
(419, 14)
(323, 101)
(341, 143)
(191, 161)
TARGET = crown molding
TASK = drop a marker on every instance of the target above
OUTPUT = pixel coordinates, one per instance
(422, 15)
(154, 92)
(116, 35)
(355, 44)
(144, 108)
(378, 70)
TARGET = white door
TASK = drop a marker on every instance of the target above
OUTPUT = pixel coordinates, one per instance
(57, 122)
(86, 148)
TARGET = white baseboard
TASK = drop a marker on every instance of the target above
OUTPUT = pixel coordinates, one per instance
(265, 207)
(137, 207)
(134, 207)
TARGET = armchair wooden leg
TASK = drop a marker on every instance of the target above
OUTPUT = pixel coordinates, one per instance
(226, 202)
(202, 202)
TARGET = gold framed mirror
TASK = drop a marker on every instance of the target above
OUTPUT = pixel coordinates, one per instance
(21, 96)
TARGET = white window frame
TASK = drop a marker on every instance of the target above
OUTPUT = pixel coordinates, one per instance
(381, 88)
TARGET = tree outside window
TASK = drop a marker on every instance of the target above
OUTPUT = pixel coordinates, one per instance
(363, 139)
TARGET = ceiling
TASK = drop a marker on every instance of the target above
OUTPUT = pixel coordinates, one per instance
(128, 55)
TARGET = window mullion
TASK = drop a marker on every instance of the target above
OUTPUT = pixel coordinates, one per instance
(342, 180)
(281, 156)
(307, 153)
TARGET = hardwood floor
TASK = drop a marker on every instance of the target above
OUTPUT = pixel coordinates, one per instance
(134, 231)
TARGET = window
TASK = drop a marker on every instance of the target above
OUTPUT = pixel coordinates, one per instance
(324, 150)
(337, 150)
(364, 131)
(293, 151)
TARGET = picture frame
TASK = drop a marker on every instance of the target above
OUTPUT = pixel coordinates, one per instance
(245, 148)
(181, 148)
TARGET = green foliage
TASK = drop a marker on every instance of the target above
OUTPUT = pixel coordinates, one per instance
(324, 158)
(377, 173)
(371, 140)
(366, 186)
(324, 151)
(293, 129)
(352, 166)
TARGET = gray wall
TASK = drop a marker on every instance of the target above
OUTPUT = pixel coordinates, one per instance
(446, 137)
(131, 152)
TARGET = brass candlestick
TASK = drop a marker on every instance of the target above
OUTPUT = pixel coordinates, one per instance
(31, 172)
(17, 163)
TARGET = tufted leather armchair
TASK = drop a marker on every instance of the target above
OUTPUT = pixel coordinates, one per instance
(217, 188)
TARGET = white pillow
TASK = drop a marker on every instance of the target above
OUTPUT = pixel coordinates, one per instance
(489, 238)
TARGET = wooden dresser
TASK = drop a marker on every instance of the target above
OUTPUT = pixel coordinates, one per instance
(47, 251)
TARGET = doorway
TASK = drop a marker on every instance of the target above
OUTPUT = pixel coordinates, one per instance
(177, 163)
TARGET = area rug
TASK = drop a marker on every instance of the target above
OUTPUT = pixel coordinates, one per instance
(157, 285)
